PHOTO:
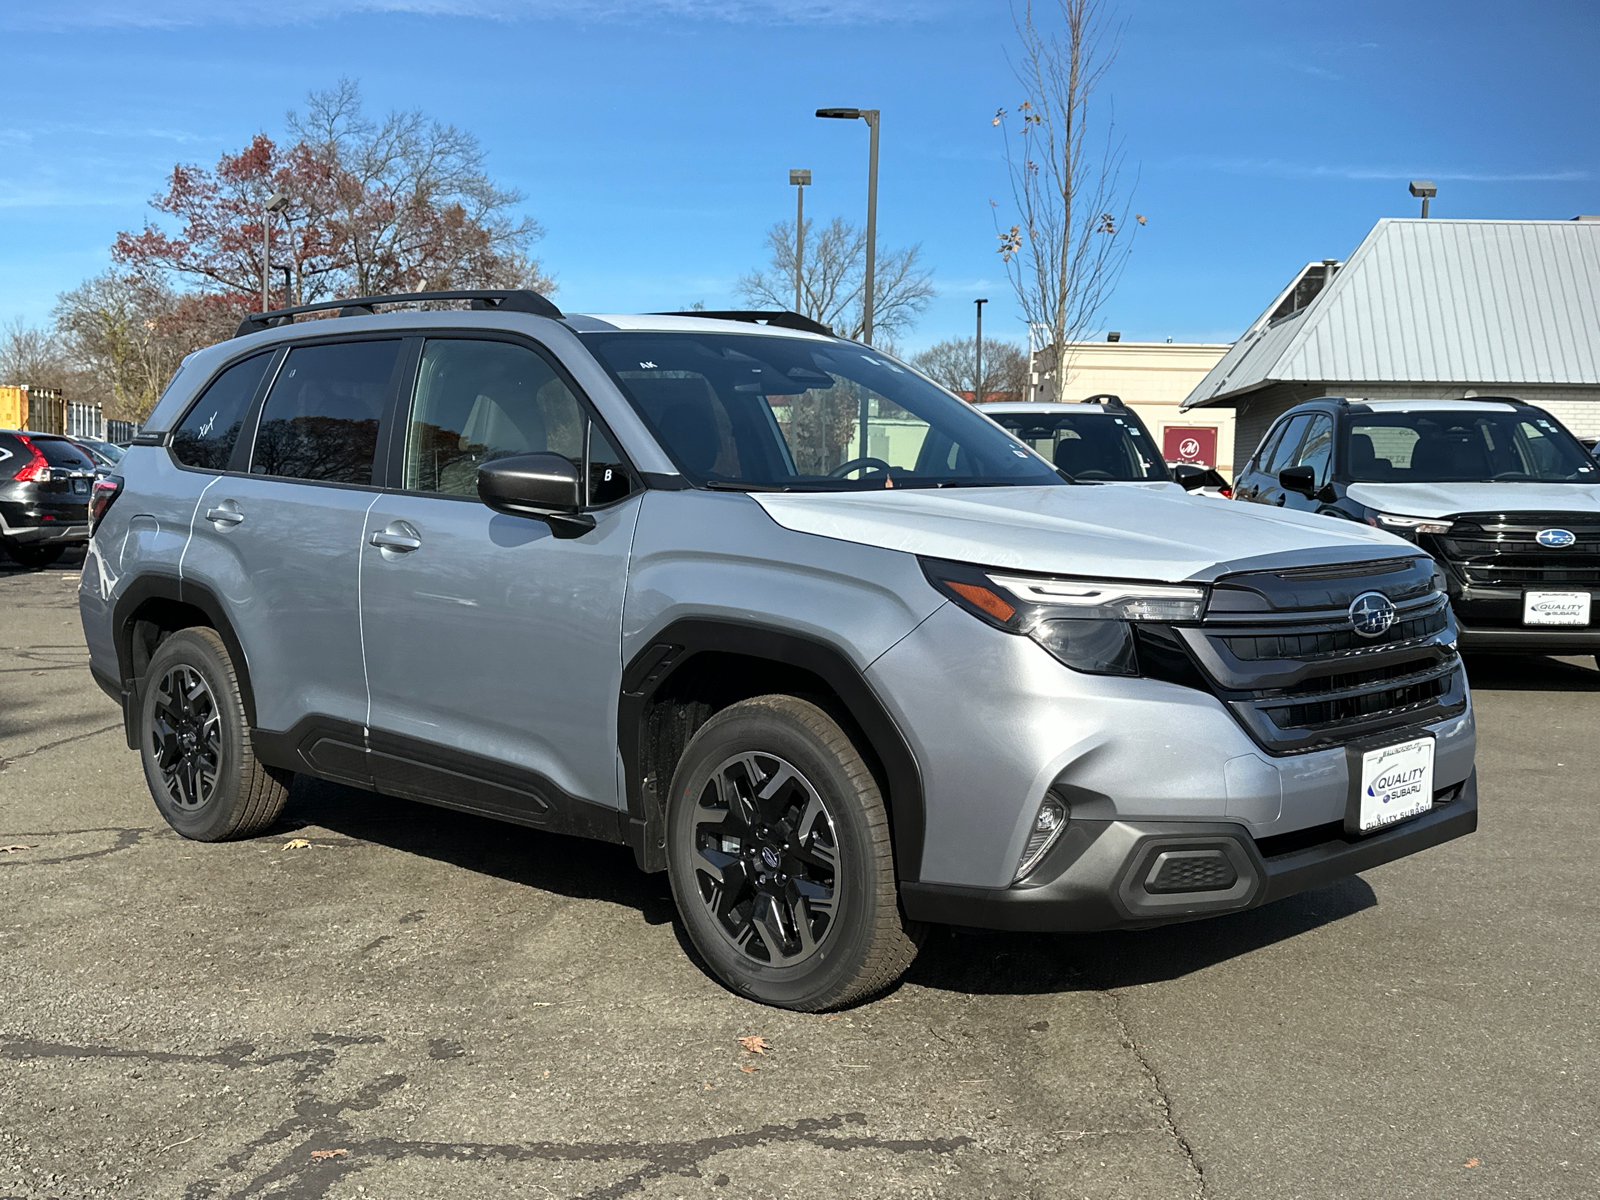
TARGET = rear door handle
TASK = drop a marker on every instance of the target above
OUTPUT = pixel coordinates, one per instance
(399, 537)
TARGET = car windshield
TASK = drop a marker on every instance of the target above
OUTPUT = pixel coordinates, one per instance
(1464, 447)
(1090, 446)
(757, 412)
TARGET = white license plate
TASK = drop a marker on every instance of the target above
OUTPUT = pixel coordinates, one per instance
(1396, 784)
(1556, 608)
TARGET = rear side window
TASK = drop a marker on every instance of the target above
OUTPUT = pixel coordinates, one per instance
(207, 435)
(320, 420)
(9, 462)
(59, 452)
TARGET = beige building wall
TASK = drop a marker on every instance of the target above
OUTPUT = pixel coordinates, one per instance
(1152, 378)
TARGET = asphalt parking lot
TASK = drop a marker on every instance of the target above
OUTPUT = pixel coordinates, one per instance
(423, 1004)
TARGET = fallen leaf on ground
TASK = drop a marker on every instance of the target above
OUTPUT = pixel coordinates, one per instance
(1472, 1162)
(749, 1070)
(13, 849)
(321, 1154)
(754, 1044)
(297, 844)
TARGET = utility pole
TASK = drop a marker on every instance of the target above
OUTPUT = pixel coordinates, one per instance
(276, 202)
(977, 374)
(799, 180)
(870, 116)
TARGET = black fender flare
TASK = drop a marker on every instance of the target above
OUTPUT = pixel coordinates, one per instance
(678, 643)
(162, 586)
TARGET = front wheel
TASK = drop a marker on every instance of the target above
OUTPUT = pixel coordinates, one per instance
(195, 742)
(781, 864)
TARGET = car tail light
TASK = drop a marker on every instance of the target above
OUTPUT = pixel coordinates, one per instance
(36, 469)
(105, 491)
(1227, 492)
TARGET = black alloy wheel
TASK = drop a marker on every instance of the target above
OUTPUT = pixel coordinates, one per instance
(194, 738)
(186, 737)
(768, 859)
(780, 857)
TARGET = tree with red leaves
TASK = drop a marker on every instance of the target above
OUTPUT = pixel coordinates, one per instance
(398, 205)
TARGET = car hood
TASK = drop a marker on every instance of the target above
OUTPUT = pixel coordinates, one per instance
(1118, 532)
(1447, 499)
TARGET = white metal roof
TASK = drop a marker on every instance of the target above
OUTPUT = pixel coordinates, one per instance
(1436, 301)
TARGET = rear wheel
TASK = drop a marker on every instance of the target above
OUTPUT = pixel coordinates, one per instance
(35, 558)
(781, 864)
(195, 742)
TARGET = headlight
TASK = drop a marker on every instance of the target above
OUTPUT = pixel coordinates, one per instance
(1085, 623)
(1404, 526)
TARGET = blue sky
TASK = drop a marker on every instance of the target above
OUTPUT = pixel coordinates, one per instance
(653, 138)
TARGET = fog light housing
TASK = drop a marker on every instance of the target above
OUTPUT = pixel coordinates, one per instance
(1048, 824)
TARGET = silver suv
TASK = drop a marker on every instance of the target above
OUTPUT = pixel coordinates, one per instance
(798, 626)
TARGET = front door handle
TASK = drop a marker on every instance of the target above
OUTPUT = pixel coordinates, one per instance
(225, 514)
(399, 537)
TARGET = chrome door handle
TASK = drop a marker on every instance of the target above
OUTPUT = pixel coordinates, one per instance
(385, 540)
(225, 516)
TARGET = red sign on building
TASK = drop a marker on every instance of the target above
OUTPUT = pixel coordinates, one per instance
(1190, 444)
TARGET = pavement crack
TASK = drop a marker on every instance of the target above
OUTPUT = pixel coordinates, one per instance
(126, 840)
(1125, 1035)
(77, 737)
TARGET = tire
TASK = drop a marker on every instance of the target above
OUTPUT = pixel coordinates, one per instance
(195, 742)
(35, 558)
(773, 797)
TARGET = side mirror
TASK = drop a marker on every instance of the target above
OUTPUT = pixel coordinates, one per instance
(544, 486)
(1302, 480)
(1188, 476)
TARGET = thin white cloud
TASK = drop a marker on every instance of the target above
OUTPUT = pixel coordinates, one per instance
(168, 14)
(1281, 169)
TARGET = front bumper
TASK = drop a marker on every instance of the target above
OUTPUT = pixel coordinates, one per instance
(1095, 877)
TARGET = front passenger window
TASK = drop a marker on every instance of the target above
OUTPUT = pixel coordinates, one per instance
(1316, 449)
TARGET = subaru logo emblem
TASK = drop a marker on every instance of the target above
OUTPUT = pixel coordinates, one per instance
(1556, 539)
(1371, 613)
(770, 857)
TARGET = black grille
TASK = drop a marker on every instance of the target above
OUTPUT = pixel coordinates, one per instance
(1502, 549)
(1333, 641)
(1283, 655)
(1191, 871)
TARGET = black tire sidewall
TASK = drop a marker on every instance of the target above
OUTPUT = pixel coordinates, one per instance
(215, 819)
(772, 730)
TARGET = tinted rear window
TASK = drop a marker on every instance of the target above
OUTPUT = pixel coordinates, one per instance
(208, 433)
(320, 420)
(59, 452)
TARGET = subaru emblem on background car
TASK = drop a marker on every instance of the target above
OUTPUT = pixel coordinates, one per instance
(1371, 613)
(1556, 539)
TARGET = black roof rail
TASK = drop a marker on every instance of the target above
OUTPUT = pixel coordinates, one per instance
(496, 299)
(778, 318)
(1105, 398)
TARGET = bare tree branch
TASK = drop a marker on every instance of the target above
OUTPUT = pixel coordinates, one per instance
(1066, 253)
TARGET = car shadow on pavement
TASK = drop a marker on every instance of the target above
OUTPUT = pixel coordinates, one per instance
(569, 866)
(1532, 673)
(958, 960)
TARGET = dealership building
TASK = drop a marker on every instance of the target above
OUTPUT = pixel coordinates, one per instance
(1425, 308)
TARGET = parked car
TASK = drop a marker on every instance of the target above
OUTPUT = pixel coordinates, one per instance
(105, 454)
(45, 483)
(1592, 445)
(1098, 440)
(795, 624)
(1497, 491)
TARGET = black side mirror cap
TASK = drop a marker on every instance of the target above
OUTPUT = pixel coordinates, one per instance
(1302, 480)
(545, 486)
(1188, 476)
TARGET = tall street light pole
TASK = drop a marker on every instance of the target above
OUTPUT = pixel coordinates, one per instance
(977, 374)
(870, 116)
(799, 180)
(276, 202)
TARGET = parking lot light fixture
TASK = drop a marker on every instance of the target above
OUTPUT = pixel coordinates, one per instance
(1424, 190)
(870, 116)
(276, 202)
(799, 180)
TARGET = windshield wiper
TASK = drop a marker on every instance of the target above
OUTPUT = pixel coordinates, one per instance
(733, 485)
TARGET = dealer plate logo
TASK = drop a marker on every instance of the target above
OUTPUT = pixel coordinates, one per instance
(1556, 539)
(1371, 613)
